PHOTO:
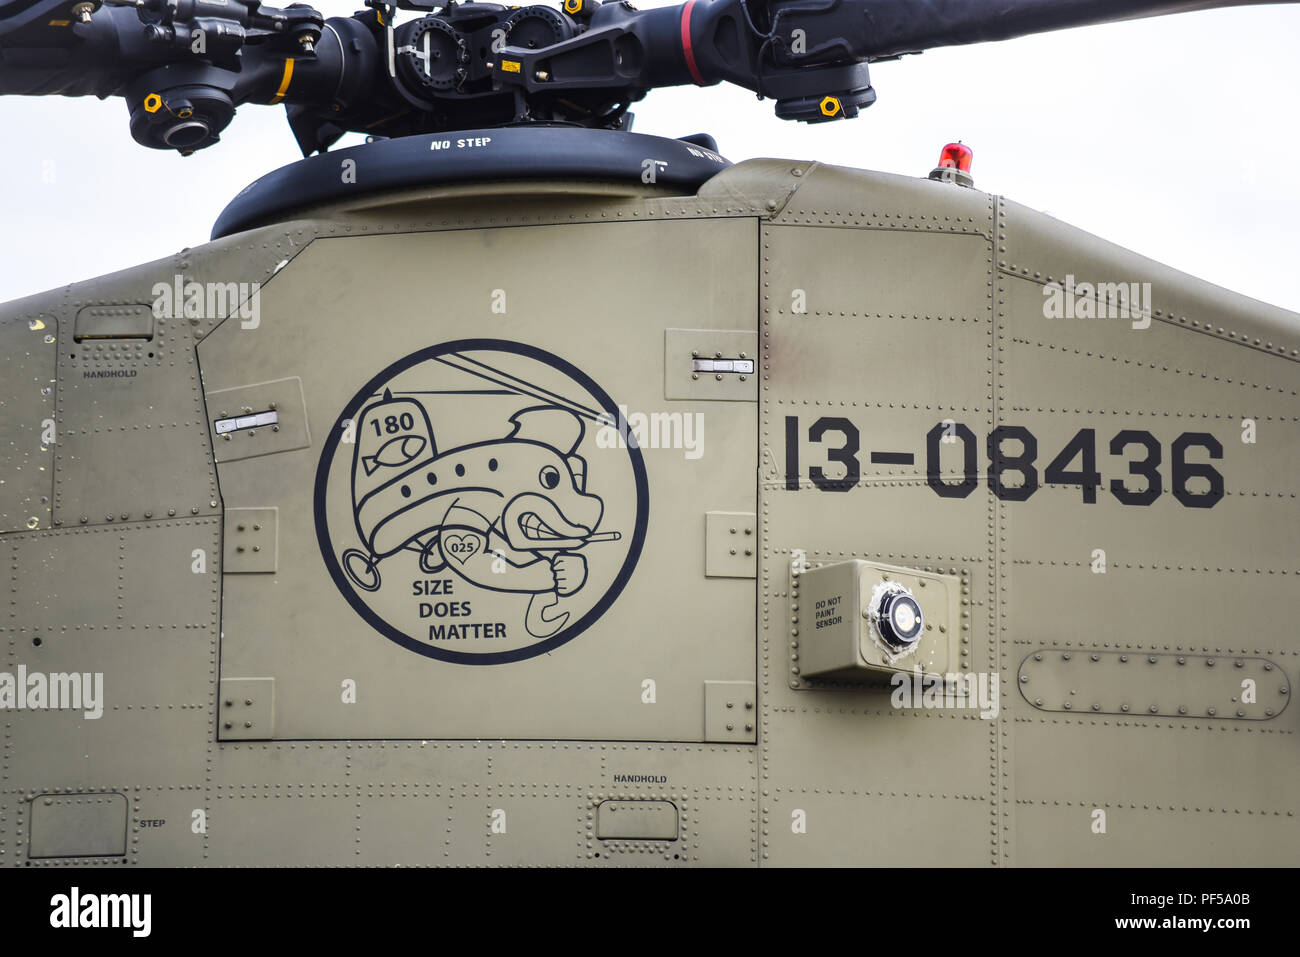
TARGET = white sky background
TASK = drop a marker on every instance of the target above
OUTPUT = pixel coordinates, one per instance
(1175, 137)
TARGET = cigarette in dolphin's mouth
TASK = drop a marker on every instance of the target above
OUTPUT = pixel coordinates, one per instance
(536, 530)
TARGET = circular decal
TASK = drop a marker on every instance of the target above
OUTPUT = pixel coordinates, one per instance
(481, 502)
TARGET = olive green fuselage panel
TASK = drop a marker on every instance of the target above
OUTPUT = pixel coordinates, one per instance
(423, 530)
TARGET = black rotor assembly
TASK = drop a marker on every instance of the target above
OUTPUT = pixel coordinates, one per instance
(185, 66)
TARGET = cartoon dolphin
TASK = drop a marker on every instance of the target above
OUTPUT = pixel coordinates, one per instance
(506, 514)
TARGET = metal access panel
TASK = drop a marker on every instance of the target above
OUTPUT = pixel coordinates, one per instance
(78, 825)
(130, 410)
(27, 419)
(865, 362)
(636, 821)
(496, 525)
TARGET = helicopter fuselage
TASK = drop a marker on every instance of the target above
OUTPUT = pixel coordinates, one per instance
(959, 575)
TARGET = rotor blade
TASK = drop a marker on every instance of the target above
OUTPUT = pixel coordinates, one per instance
(502, 377)
(909, 26)
(54, 14)
(45, 49)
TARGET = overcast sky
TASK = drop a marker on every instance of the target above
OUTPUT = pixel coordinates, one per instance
(1176, 137)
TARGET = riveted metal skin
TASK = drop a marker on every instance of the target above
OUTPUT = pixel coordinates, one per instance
(730, 713)
(28, 356)
(730, 545)
(246, 709)
(1165, 685)
(881, 307)
(251, 540)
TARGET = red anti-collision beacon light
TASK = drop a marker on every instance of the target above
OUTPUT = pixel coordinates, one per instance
(954, 165)
(956, 156)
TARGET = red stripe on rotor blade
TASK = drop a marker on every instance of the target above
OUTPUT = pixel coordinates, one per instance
(686, 44)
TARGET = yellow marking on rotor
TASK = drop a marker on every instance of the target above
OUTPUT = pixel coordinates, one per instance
(284, 81)
(59, 23)
(511, 66)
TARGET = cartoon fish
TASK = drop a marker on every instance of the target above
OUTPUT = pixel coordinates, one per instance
(395, 452)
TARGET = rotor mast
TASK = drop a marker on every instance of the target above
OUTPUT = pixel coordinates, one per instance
(184, 66)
